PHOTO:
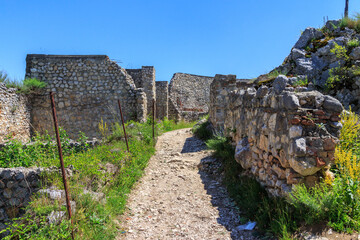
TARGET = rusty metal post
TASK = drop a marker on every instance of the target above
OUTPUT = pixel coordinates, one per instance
(68, 205)
(122, 120)
(153, 123)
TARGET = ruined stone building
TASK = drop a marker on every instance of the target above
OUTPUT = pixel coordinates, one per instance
(189, 96)
(87, 88)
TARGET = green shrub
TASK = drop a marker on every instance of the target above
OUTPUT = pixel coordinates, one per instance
(301, 82)
(202, 131)
(27, 86)
(355, 70)
(353, 43)
(340, 52)
(352, 23)
(339, 76)
(336, 201)
(31, 85)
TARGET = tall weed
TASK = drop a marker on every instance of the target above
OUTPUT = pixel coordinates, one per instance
(336, 202)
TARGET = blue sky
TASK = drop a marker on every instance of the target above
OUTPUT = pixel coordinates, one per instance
(204, 37)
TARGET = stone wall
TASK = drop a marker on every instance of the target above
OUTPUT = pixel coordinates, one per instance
(283, 136)
(162, 95)
(173, 111)
(145, 78)
(14, 115)
(136, 75)
(86, 89)
(16, 187)
(189, 95)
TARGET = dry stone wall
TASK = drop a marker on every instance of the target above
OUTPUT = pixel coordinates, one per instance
(145, 78)
(189, 96)
(86, 90)
(162, 95)
(16, 187)
(14, 115)
(283, 136)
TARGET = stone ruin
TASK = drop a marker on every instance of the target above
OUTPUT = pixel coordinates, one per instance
(189, 96)
(14, 115)
(87, 88)
(283, 135)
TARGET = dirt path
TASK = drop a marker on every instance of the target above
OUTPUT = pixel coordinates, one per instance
(176, 200)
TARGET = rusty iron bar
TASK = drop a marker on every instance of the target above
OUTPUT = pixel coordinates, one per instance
(122, 120)
(153, 118)
(68, 205)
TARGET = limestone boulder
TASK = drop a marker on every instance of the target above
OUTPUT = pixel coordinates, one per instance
(243, 154)
(297, 53)
(295, 131)
(262, 91)
(307, 36)
(332, 25)
(291, 101)
(299, 146)
(355, 54)
(280, 83)
(305, 166)
(332, 104)
(304, 66)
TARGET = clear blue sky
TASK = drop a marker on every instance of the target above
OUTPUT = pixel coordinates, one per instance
(204, 37)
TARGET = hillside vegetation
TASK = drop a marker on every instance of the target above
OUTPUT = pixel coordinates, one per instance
(102, 177)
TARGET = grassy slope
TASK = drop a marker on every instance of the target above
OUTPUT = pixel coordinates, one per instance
(92, 219)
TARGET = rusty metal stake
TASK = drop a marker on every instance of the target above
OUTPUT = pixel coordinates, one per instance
(153, 117)
(68, 205)
(122, 120)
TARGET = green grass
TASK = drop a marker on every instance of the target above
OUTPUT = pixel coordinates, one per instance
(3, 76)
(274, 216)
(352, 23)
(202, 131)
(27, 86)
(93, 219)
(271, 76)
(301, 82)
(353, 43)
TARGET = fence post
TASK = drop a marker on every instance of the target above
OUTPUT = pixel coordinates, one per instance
(68, 205)
(122, 120)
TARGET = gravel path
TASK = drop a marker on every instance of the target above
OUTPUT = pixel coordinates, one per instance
(180, 195)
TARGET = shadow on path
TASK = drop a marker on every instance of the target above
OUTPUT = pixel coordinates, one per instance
(192, 145)
(209, 171)
(229, 215)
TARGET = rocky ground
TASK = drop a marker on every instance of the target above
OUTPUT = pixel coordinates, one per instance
(179, 197)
